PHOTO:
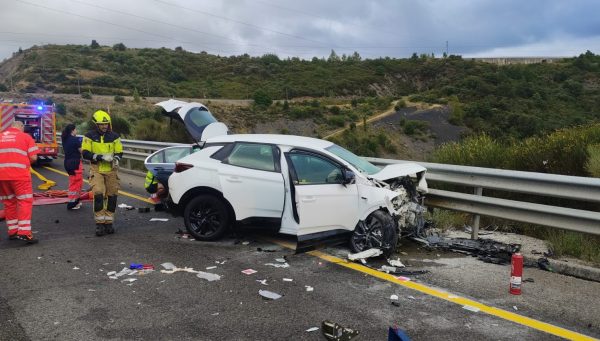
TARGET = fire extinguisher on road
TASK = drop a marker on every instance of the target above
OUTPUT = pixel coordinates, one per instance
(516, 273)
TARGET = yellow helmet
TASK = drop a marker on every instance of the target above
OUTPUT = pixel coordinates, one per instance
(101, 117)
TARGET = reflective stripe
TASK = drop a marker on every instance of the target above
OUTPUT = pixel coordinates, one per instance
(21, 222)
(32, 149)
(24, 196)
(13, 150)
(24, 228)
(7, 197)
(12, 222)
(15, 165)
(72, 193)
(12, 230)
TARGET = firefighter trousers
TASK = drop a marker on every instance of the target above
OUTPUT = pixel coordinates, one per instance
(17, 197)
(105, 187)
(75, 184)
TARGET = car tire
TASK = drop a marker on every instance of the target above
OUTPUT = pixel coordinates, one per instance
(206, 217)
(377, 231)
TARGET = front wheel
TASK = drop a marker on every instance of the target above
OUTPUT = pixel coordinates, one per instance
(206, 217)
(377, 231)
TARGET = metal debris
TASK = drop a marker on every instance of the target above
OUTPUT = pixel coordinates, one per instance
(334, 331)
(269, 294)
(487, 250)
(365, 254)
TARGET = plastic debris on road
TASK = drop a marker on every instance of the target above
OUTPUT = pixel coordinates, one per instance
(159, 219)
(278, 265)
(365, 254)
(288, 280)
(470, 308)
(402, 278)
(211, 267)
(269, 294)
(168, 266)
(309, 288)
(125, 206)
(313, 329)
(129, 280)
(396, 262)
(262, 281)
(208, 276)
(334, 331)
(75, 268)
(249, 271)
(281, 260)
(394, 300)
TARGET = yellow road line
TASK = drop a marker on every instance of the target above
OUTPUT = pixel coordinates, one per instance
(507, 315)
(127, 194)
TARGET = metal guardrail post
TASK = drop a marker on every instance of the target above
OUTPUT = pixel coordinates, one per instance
(476, 217)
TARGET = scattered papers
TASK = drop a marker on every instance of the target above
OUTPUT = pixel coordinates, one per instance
(262, 281)
(288, 280)
(125, 206)
(208, 276)
(309, 288)
(313, 329)
(168, 266)
(278, 265)
(269, 294)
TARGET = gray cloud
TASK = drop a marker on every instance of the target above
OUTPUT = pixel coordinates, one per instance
(376, 28)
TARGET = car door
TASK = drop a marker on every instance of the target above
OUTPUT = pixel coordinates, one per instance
(252, 182)
(322, 201)
(162, 162)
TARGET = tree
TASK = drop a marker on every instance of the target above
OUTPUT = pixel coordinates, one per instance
(120, 125)
(119, 47)
(136, 95)
(333, 57)
(61, 109)
(262, 99)
(286, 105)
(94, 44)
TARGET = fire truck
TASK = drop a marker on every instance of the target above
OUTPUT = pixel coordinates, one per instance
(39, 122)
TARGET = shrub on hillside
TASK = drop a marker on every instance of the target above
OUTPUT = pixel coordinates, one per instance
(119, 99)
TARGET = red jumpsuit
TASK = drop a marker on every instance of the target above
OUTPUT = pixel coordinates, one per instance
(16, 191)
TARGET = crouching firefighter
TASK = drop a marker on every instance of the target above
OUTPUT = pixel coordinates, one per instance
(103, 148)
(156, 190)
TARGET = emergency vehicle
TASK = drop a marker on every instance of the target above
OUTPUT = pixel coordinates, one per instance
(39, 122)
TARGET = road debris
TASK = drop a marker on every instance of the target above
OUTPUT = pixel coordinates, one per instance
(402, 278)
(487, 250)
(125, 206)
(396, 262)
(365, 254)
(245, 243)
(471, 308)
(312, 329)
(159, 219)
(397, 334)
(167, 266)
(394, 300)
(249, 271)
(129, 280)
(262, 281)
(334, 331)
(278, 265)
(269, 294)
(309, 288)
(211, 267)
(143, 209)
(288, 280)
(75, 268)
(515, 308)
(208, 276)
(544, 264)
(260, 249)
(281, 260)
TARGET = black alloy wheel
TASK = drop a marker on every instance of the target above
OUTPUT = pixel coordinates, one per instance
(377, 231)
(206, 217)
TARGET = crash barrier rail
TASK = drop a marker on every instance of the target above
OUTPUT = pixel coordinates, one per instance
(540, 184)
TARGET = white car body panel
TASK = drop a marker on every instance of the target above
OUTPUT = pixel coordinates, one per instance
(263, 191)
(400, 170)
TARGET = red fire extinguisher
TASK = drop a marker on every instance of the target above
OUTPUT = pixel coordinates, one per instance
(516, 273)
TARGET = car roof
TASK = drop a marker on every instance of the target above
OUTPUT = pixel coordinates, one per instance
(287, 140)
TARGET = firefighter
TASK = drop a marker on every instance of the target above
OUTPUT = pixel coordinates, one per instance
(17, 152)
(73, 165)
(156, 190)
(103, 148)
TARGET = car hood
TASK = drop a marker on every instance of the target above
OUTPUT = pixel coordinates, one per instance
(403, 169)
(196, 117)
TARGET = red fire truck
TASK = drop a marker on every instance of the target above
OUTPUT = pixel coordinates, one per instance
(40, 123)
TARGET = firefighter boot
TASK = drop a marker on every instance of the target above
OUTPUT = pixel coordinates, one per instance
(28, 239)
(109, 229)
(100, 230)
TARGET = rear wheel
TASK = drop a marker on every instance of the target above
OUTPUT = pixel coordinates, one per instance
(206, 217)
(377, 231)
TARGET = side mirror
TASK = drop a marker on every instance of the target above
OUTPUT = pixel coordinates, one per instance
(349, 176)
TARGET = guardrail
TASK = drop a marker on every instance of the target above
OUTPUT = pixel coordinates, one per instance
(480, 179)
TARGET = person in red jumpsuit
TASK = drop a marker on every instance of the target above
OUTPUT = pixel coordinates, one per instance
(17, 152)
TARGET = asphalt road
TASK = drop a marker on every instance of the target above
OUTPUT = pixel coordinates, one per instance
(59, 288)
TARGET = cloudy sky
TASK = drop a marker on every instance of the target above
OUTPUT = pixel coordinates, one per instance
(308, 28)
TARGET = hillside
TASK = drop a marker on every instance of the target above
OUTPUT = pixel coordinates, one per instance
(323, 95)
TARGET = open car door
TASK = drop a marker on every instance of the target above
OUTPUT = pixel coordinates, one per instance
(196, 117)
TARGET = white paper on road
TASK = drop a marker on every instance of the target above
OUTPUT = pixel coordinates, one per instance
(471, 308)
(159, 219)
(208, 276)
(269, 294)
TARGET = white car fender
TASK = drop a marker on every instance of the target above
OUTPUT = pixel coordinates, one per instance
(372, 198)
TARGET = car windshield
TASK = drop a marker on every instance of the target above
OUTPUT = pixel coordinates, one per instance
(355, 160)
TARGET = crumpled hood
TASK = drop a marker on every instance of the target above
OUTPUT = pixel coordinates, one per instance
(398, 170)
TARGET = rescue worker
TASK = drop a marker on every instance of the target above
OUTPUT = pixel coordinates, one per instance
(103, 148)
(156, 190)
(17, 152)
(73, 165)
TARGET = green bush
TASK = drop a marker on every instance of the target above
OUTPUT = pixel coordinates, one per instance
(412, 127)
(401, 104)
(87, 95)
(119, 99)
(592, 166)
(262, 99)
(61, 109)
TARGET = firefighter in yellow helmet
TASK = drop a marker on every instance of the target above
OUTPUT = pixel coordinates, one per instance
(103, 148)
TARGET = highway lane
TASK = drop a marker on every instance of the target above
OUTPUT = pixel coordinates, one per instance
(43, 296)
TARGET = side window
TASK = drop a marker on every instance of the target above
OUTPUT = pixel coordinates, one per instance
(252, 155)
(174, 154)
(315, 170)
(158, 158)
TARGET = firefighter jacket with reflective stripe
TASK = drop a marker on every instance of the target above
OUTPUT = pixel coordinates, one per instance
(151, 185)
(94, 144)
(15, 149)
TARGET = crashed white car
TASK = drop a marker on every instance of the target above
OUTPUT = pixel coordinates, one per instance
(301, 186)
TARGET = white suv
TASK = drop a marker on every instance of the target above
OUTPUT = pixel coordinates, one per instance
(301, 186)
